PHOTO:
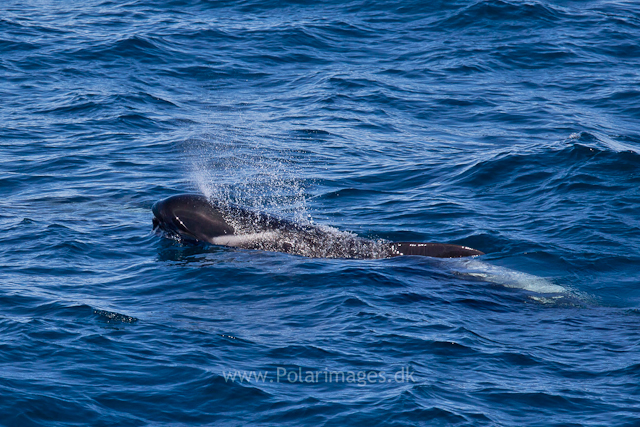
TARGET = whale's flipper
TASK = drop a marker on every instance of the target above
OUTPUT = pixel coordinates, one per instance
(436, 250)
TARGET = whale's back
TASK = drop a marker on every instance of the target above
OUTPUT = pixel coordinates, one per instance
(194, 218)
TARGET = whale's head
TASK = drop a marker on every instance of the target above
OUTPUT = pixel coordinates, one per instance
(190, 217)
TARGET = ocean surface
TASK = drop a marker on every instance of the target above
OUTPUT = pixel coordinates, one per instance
(510, 126)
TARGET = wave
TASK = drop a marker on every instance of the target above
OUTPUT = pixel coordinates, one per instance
(142, 48)
(583, 158)
(504, 15)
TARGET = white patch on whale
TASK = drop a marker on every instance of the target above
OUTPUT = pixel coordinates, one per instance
(240, 240)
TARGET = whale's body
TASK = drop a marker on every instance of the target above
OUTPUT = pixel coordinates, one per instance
(194, 218)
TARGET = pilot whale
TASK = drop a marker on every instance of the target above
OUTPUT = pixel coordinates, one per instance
(194, 218)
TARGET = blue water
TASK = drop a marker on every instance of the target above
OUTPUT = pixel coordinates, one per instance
(509, 126)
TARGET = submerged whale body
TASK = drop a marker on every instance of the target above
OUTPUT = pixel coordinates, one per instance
(194, 218)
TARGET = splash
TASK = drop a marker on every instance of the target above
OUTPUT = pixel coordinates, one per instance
(312, 241)
(233, 169)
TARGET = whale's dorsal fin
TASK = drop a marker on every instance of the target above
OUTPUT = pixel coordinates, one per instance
(436, 250)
